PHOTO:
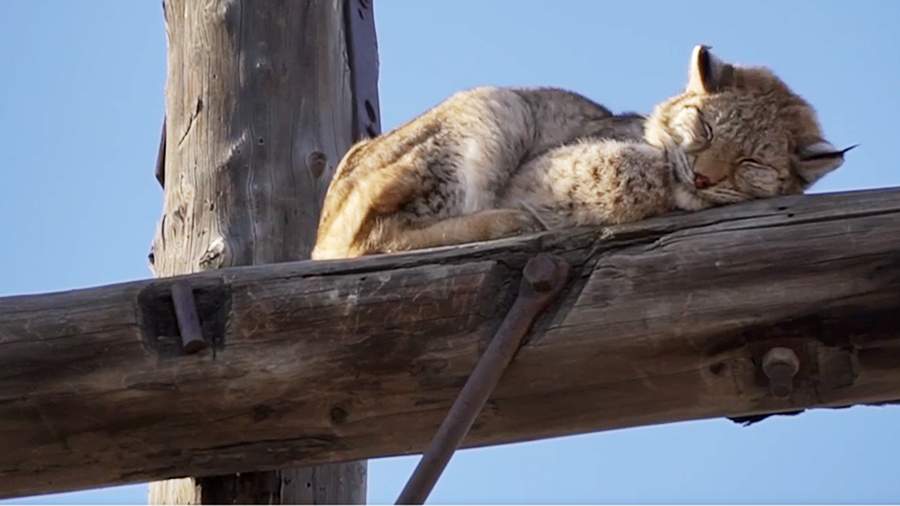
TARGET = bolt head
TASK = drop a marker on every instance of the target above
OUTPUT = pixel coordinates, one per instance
(541, 273)
(780, 365)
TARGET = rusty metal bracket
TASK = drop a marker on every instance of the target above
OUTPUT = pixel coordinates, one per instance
(542, 279)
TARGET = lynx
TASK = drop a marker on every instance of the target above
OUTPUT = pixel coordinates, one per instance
(493, 162)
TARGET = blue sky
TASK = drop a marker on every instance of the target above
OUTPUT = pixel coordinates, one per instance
(80, 109)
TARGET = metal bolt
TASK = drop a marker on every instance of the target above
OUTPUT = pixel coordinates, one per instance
(186, 315)
(543, 277)
(542, 272)
(780, 365)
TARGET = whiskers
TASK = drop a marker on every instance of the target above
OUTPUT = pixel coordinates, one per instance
(687, 195)
(682, 167)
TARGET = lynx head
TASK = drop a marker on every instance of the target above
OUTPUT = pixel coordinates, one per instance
(741, 133)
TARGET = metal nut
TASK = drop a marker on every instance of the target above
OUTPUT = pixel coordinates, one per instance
(780, 365)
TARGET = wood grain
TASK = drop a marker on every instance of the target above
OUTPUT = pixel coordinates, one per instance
(262, 100)
(315, 362)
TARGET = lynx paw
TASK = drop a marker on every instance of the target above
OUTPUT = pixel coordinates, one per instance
(507, 222)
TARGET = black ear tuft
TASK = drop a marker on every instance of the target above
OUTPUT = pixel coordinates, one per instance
(815, 160)
(828, 154)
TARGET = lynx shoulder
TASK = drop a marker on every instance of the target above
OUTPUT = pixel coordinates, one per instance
(492, 162)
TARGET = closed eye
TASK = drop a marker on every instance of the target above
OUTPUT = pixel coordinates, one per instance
(757, 179)
(707, 128)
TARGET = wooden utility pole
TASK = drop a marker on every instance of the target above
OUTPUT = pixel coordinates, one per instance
(262, 99)
(770, 306)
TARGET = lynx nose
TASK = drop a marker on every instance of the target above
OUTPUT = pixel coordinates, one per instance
(701, 182)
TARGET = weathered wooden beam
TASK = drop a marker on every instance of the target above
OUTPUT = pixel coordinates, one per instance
(314, 362)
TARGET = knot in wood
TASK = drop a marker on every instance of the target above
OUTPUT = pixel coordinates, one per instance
(780, 365)
(215, 256)
(339, 415)
(315, 162)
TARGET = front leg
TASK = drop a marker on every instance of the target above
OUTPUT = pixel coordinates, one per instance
(480, 226)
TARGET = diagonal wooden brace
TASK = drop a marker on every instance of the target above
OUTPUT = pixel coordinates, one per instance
(542, 279)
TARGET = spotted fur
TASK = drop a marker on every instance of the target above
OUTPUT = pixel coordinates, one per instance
(493, 162)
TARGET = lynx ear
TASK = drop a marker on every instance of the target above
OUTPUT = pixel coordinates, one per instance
(815, 160)
(708, 74)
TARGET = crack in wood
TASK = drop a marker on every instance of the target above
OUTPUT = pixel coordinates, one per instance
(644, 336)
(190, 123)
